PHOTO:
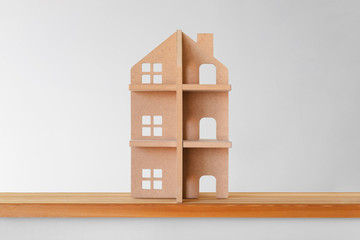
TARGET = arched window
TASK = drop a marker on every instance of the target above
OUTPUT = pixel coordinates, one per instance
(207, 74)
(207, 184)
(207, 128)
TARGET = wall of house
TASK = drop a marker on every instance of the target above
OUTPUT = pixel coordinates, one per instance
(65, 106)
(198, 105)
(164, 54)
(150, 105)
(151, 160)
(193, 58)
(200, 162)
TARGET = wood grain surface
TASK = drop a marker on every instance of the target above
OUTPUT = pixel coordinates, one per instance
(264, 205)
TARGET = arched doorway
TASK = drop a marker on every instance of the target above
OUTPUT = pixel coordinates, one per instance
(207, 74)
(207, 183)
(207, 128)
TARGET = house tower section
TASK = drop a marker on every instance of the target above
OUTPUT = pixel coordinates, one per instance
(179, 120)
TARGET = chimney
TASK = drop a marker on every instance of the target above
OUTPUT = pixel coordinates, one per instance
(206, 42)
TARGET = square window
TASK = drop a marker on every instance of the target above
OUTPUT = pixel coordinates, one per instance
(157, 67)
(146, 120)
(157, 120)
(145, 79)
(157, 79)
(146, 173)
(145, 67)
(146, 184)
(146, 131)
(158, 173)
(157, 184)
(157, 131)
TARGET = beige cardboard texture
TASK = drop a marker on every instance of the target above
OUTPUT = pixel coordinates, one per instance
(151, 159)
(205, 161)
(165, 54)
(194, 54)
(198, 105)
(167, 104)
(206, 42)
(152, 106)
(179, 120)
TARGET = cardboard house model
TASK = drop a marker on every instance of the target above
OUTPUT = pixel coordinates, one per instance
(179, 120)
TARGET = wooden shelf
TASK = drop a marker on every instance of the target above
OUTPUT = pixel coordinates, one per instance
(152, 143)
(207, 87)
(301, 205)
(152, 87)
(206, 144)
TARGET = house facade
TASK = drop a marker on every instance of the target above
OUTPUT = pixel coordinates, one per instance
(179, 119)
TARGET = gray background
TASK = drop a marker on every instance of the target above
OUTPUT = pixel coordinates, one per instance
(65, 110)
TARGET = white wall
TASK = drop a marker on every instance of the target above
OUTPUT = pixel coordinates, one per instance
(65, 116)
(178, 229)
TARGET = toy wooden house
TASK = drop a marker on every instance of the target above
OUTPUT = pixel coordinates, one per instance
(172, 107)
